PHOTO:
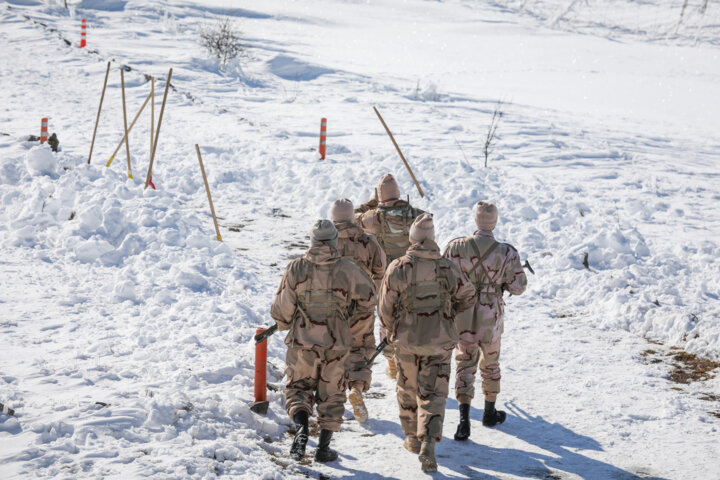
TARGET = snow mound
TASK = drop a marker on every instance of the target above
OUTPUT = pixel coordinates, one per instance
(40, 160)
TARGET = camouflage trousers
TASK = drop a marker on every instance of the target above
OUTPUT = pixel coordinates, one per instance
(317, 377)
(363, 347)
(468, 355)
(422, 387)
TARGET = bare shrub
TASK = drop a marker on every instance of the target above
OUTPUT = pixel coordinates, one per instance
(492, 130)
(222, 41)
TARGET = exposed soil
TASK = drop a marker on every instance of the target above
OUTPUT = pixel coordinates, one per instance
(686, 367)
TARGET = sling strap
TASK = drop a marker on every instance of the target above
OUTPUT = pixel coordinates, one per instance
(483, 279)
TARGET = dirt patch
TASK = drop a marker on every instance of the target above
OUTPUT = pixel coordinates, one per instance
(691, 368)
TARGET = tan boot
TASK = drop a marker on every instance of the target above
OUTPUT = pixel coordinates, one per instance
(412, 444)
(356, 400)
(391, 369)
(427, 456)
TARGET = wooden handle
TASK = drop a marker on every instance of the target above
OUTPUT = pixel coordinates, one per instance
(97, 119)
(207, 189)
(399, 152)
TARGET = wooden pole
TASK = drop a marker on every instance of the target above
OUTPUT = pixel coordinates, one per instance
(157, 132)
(127, 140)
(97, 120)
(112, 157)
(207, 189)
(400, 152)
(152, 113)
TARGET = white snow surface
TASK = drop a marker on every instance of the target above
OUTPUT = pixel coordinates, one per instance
(126, 327)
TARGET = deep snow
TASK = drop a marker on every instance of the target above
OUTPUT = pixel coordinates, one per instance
(126, 326)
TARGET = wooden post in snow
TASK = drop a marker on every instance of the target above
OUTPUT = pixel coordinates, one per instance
(157, 132)
(399, 152)
(97, 120)
(152, 114)
(137, 115)
(207, 189)
(127, 140)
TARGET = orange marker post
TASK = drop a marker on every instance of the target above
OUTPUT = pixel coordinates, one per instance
(323, 137)
(83, 28)
(261, 403)
(43, 130)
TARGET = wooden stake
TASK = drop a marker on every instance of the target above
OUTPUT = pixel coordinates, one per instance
(152, 114)
(207, 189)
(112, 157)
(97, 120)
(127, 140)
(400, 152)
(157, 132)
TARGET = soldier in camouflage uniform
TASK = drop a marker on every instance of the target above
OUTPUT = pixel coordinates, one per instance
(493, 268)
(363, 249)
(313, 303)
(389, 219)
(419, 298)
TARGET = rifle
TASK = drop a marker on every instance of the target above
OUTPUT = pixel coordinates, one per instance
(261, 337)
(378, 349)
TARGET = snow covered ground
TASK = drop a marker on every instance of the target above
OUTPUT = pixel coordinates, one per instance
(125, 343)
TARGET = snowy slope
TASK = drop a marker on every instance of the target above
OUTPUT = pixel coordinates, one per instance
(606, 147)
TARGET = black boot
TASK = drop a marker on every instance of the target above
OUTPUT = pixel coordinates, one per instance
(297, 451)
(324, 453)
(492, 417)
(463, 430)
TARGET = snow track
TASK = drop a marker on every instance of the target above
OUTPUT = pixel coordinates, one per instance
(125, 327)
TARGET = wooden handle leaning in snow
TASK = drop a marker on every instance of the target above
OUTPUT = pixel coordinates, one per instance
(112, 157)
(157, 132)
(400, 152)
(207, 189)
(127, 140)
(152, 114)
(97, 120)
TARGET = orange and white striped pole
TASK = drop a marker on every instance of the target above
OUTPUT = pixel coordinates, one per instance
(323, 137)
(43, 130)
(83, 28)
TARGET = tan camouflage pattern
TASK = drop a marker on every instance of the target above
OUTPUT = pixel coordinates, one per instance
(467, 356)
(319, 343)
(422, 388)
(317, 378)
(370, 221)
(484, 323)
(349, 283)
(363, 249)
(480, 328)
(428, 332)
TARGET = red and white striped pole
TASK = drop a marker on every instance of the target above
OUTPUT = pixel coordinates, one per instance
(83, 43)
(43, 130)
(323, 137)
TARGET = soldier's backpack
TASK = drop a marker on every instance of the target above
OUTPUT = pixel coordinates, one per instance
(394, 232)
(482, 281)
(429, 306)
(321, 317)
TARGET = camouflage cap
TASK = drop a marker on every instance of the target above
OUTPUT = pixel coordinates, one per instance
(342, 210)
(486, 215)
(388, 188)
(422, 228)
(323, 232)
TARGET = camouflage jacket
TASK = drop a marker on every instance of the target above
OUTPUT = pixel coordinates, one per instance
(419, 298)
(317, 295)
(484, 323)
(390, 223)
(363, 249)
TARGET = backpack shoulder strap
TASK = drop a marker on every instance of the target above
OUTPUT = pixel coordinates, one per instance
(481, 257)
